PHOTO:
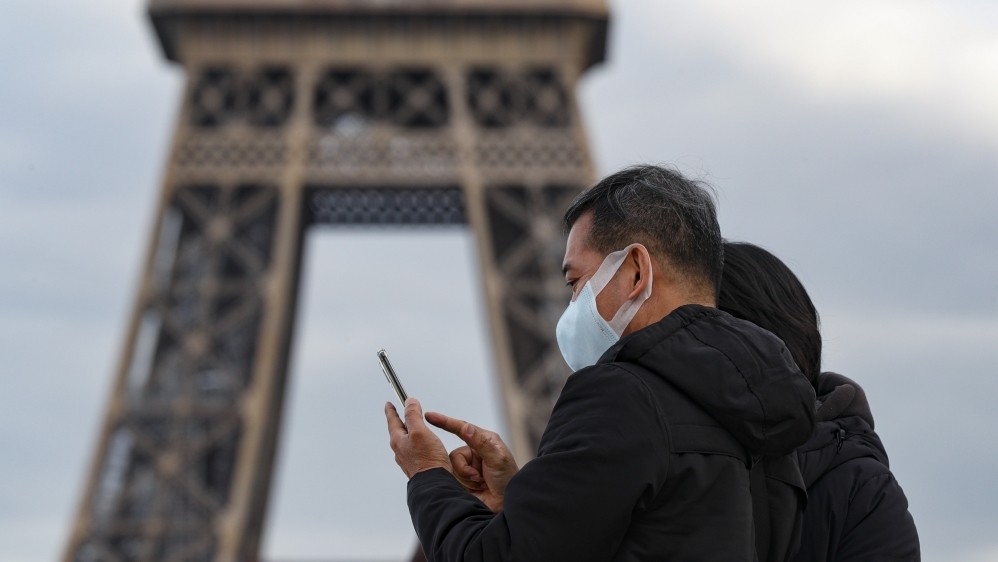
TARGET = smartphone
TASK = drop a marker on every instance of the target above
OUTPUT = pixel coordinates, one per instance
(393, 379)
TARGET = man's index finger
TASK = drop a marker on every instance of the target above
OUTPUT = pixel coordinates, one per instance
(446, 423)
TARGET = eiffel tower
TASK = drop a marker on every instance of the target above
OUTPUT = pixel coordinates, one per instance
(336, 112)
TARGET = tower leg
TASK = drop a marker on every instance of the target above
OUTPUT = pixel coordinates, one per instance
(180, 416)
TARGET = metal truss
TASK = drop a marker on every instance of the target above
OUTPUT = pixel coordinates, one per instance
(168, 465)
(387, 206)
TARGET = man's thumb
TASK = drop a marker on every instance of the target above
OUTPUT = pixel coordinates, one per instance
(486, 444)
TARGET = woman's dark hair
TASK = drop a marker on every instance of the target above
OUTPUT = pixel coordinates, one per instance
(758, 287)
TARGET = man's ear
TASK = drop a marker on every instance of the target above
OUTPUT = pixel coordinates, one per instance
(641, 260)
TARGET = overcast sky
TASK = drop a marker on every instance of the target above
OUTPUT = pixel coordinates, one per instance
(857, 139)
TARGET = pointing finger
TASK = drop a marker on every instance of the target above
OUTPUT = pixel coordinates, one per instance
(446, 423)
(487, 444)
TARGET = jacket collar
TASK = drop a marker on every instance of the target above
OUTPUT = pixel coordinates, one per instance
(636, 344)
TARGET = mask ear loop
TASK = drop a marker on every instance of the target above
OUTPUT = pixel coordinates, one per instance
(629, 309)
(607, 269)
(611, 264)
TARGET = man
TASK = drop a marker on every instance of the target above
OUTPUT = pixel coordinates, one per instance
(648, 452)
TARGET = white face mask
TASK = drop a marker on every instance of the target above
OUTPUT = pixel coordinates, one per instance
(583, 335)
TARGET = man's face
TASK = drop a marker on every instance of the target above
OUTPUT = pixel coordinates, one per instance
(582, 262)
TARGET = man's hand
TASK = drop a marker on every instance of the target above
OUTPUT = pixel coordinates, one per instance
(416, 447)
(485, 466)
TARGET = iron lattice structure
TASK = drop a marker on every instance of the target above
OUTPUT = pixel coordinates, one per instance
(344, 112)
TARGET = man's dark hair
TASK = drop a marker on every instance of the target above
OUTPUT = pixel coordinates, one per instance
(673, 216)
(758, 287)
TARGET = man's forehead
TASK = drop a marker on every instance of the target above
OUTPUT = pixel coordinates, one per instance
(578, 253)
(578, 234)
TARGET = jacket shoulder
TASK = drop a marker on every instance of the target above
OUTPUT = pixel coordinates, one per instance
(602, 401)
(691, 429)
(858, 511)
(738, 373)
(852, 476)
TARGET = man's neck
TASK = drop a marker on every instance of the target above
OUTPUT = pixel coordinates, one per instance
(659, 306)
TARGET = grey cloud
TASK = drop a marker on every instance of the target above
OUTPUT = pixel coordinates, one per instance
(862, 196)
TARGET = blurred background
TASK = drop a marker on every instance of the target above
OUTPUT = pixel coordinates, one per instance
(857, 140)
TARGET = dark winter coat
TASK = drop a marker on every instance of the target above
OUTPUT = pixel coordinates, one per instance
(646, 456)
(856, 510)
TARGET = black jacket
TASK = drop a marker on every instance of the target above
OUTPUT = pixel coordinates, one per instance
(646, 455)
(856, 510)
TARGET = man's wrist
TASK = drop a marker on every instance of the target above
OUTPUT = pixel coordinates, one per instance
(433, 476)
(432, 466)
(446, 466)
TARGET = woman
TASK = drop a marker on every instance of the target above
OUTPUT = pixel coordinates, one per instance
(855, 509)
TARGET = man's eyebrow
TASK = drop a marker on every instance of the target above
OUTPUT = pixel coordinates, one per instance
(565, 268)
